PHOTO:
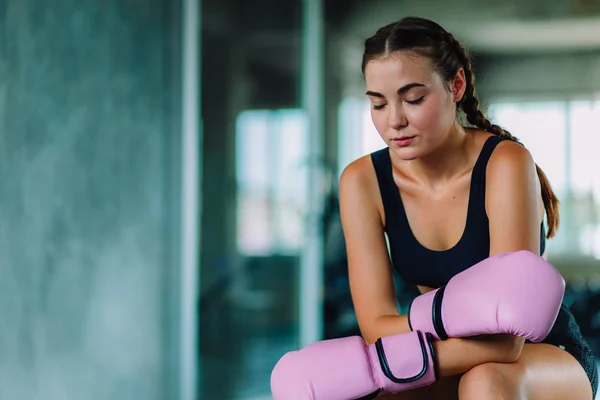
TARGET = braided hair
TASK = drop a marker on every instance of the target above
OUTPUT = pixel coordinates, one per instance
(428, 39)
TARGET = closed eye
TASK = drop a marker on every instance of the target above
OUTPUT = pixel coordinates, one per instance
(417, 101)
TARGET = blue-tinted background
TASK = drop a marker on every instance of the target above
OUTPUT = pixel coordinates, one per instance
(169, 169)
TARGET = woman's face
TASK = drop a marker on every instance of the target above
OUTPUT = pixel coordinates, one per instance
(411, 106)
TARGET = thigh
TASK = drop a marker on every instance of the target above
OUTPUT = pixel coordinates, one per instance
(546, 372)
(552, 373)
(444, 389)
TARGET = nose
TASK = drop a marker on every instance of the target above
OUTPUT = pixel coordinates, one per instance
(397, 118)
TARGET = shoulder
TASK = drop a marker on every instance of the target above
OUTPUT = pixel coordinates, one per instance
(510, 160)
(358, 175)
(511, 175)
(513, 199)
(359, 188)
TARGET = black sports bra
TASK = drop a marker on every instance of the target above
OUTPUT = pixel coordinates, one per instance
(418, 264)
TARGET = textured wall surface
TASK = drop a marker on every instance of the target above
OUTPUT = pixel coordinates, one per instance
(84, 132)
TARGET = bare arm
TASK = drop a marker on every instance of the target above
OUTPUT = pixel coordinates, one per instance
(458, 355)
(513, 200)
(369, 269)
(513, 203)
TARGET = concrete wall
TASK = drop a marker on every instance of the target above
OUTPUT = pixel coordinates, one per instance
(86, 128)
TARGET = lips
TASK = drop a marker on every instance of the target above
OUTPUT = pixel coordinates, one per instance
(403, 141)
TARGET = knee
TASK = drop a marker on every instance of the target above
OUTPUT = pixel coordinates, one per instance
(487, 381)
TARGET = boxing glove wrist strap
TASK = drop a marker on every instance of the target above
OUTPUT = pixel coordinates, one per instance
(385, 367)
(438, 324)
(425, 314)
(403, 362)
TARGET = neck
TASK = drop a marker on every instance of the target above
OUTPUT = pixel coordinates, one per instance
(446, 162)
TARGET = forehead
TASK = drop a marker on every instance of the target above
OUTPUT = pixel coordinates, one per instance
(397, 70)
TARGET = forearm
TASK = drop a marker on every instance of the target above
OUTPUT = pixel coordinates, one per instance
(455, 355)
(458, 355)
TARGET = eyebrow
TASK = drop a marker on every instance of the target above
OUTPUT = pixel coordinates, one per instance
(402, 90)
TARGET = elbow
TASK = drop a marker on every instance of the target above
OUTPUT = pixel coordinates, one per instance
(370, 331)
(374, 330)
(371, 334)
(383, 326)
(369, 339)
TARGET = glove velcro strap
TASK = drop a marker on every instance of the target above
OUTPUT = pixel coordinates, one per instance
(420, 314)
(398, 352)
(436, 316)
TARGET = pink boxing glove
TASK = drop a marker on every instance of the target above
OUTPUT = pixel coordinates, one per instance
(511, 293)
(347, 369)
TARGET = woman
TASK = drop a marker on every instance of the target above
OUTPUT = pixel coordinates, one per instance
(447, 197)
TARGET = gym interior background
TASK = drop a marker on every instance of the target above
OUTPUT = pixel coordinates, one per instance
(168, 207)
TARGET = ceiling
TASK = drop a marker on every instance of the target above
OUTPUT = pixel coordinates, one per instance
(266, 35)
(489, 26)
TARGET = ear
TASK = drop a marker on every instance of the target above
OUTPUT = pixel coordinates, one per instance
(459, 85)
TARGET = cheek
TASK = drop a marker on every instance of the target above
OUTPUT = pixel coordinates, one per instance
(431, 116)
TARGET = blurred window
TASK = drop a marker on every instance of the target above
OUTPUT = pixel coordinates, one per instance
(357, 134)
(564, 140)
(271, 171)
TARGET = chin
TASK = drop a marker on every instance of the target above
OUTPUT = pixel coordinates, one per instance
(407, 153)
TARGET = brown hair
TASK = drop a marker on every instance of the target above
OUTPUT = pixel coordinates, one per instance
(428, 39)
